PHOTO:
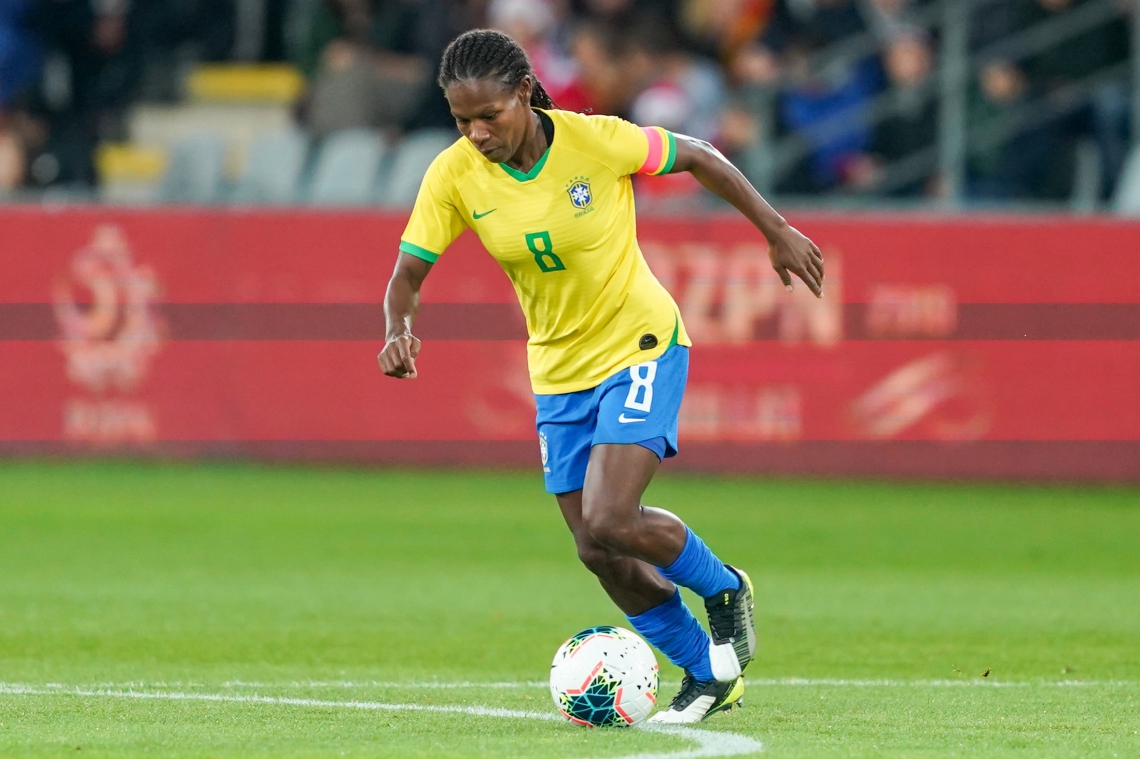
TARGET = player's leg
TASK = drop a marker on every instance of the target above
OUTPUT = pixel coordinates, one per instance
(651, 603)
(654, 608)
(614, 521)
(614, 517)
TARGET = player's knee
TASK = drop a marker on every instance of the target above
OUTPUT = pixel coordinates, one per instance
(609, 530)
(595, 557)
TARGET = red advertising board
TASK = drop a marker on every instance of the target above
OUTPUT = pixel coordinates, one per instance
(951, 347)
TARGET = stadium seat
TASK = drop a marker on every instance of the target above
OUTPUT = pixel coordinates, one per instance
(1127, 200)
(1085, 195)
(129, 172)
(273, 174)
(245, 83)
(401, 183)
(346, 168)
(196, 171)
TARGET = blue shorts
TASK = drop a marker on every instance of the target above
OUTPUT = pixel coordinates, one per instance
(638, 405)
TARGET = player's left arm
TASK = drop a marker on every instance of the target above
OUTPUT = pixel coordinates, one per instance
(788, 249)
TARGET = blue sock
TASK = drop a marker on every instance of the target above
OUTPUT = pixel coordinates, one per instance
(699, 570)
(677, 634)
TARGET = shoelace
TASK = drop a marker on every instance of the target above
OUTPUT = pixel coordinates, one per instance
(686, 695)
(723, 618)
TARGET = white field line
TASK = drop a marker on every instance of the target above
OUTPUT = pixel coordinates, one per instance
(443, 685)
(972, 683)
(710, 743)
(791, 682)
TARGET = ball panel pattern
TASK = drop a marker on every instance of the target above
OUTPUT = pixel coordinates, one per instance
(604, 677)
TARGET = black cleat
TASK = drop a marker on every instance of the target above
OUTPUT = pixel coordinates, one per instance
(697, 701)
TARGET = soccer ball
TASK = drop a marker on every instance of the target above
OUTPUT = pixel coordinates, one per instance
(604, 677)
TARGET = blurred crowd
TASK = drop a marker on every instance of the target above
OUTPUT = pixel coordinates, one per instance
(808, 96)
(69, 69)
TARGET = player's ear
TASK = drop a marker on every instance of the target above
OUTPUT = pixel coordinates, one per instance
(526, 87)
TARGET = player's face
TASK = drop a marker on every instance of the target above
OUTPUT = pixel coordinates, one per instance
(495, 118)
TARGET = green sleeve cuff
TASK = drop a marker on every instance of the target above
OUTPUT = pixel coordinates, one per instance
(418, 252)
(672, 148)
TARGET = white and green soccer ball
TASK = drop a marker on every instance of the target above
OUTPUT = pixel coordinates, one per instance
(604, 677)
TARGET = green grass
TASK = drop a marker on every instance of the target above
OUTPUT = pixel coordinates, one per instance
(342, 585)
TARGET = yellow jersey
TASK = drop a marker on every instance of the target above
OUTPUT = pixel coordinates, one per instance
(566, 235)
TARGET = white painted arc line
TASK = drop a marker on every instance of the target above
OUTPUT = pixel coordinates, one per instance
(710, 743)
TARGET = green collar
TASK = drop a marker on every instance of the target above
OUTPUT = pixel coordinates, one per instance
(534, 170)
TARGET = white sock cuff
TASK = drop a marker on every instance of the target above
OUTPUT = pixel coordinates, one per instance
(722, 659)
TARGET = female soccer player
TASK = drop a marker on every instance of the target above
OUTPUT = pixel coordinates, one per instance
(548, 193)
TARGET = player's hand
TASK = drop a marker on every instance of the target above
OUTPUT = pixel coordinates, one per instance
(792, 253)
(398, 359)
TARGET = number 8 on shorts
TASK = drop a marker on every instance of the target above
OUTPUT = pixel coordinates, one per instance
(642, 384)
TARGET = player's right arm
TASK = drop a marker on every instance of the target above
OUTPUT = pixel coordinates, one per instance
(402, 300)
(628, 149)
(434, 224)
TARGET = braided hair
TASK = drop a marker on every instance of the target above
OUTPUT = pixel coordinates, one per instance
(483, 53)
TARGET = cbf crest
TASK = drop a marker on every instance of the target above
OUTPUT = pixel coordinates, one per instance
(580, 193)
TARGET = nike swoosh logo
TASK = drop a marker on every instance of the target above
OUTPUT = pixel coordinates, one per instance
(477, 215)
(625, 420)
